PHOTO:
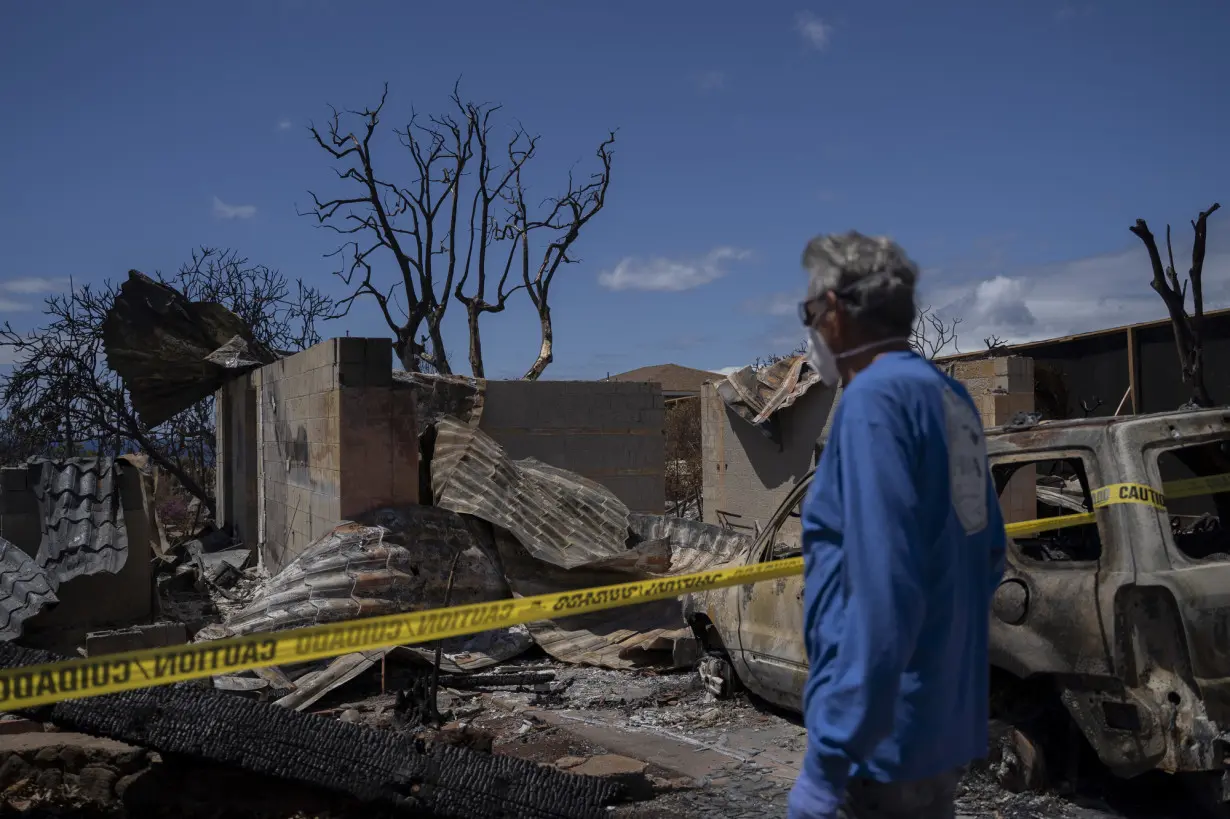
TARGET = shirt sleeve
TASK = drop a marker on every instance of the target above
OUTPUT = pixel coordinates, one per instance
(882, 577)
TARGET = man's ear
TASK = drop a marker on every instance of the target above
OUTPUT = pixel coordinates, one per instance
(835, 314)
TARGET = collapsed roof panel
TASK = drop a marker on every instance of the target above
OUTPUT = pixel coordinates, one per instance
(82, 518)
(24, 590)
(390, 561)
(171, 352)
(560, 517)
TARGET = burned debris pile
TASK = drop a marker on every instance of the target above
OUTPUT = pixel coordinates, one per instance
(374, 766)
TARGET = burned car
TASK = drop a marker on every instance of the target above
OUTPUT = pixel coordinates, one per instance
(1120, 608)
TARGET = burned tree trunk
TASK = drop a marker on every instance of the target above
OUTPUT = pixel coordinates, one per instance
(422, 226)
(1188, 338)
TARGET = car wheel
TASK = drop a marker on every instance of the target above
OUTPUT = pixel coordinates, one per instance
(718, 676)
(1016, 757)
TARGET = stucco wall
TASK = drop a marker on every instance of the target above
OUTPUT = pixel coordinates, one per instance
(746, 476)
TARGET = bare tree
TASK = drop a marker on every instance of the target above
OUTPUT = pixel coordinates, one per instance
(769, 360)
(933, 335)
(440, 252)
(61, 400)
(994, 343)
(1188, 338)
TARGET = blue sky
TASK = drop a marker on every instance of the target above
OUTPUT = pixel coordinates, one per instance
(1007, 145)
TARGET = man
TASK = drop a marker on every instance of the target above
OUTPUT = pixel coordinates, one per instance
(903, 545)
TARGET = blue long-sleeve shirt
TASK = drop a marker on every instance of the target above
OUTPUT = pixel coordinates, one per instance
(903, 544)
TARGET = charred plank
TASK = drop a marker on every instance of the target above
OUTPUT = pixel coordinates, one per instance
(375, 766)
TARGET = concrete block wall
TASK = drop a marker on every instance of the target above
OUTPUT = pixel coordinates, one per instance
(333, 443)
(337, 437)
(608, 431)
(1002, 387)
(746, 476)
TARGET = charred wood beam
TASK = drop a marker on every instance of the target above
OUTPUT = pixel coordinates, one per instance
(375, 766)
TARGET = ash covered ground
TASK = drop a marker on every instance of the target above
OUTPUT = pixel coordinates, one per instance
(697, 756)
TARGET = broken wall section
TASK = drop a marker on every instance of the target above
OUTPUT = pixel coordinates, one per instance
(748, 474)
(334, 441)
(331, 432)
(94, 597)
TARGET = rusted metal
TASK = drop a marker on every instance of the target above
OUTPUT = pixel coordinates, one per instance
(758, 395)
(1136, 640)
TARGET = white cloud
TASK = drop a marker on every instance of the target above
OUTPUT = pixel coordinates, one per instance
(1066, 298)
(814, 30)
(10, 306)
(285, 125)
(725, 370)
(777, 304)
(1072, 11)
(30, 285)
(225, 211)
(710, 80)
(668, 275)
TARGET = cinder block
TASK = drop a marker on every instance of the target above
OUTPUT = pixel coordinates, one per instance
(378, 364)
(156, 635)
(353, 350)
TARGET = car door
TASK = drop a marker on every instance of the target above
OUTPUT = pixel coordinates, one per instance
(1051, 587)
(771, 613)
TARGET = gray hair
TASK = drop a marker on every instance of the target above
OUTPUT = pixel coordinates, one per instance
(872, 275)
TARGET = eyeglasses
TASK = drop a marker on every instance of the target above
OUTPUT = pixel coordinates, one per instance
(806, 315)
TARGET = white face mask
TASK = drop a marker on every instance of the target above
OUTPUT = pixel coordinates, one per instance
(824, 361)
(821, 358)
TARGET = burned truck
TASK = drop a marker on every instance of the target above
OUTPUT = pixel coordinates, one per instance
(1116, 595)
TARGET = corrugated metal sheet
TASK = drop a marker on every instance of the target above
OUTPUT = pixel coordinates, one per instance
(561, 518)
(171, 352)
(757, 395)
(388, 562)
(693, 546)
(553, 531)
(24, 590)
(82, 516)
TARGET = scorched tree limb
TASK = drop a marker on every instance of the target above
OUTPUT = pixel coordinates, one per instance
(565, 218)
(422, 226)
(1189, 342)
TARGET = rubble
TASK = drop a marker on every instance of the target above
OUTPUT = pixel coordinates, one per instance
(574, 716)
(373, 766)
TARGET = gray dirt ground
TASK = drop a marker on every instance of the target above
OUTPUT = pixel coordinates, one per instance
(735, 758)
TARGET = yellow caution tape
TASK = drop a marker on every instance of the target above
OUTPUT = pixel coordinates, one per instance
(1190, 488)
(1026, 528)
(33, 685)
(1117, 493)
(49, 683)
